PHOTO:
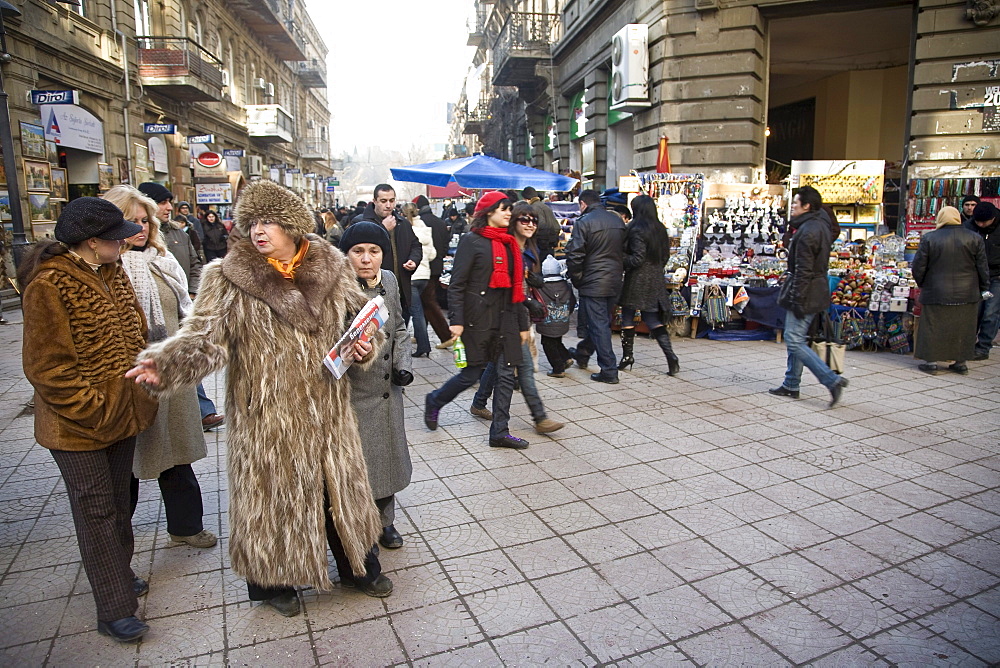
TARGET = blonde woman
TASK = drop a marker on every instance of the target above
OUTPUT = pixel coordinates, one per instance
(421, 275)
(165, 451)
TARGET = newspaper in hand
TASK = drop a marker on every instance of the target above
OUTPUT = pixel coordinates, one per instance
(369, 320)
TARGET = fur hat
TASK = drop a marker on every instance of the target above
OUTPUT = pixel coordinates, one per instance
(489, 199)
(365, 232)
(155, 191)
(88, 217)
(266, 200)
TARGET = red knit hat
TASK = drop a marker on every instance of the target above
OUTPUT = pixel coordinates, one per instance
(488, 200)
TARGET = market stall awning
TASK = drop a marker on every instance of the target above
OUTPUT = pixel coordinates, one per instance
(452, 190)
(482, 171)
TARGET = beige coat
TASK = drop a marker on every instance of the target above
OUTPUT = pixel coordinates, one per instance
(291, 430)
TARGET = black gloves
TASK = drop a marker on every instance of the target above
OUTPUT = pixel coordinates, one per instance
(401, 377)
(534, 280)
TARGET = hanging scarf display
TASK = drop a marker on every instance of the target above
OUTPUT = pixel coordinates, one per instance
(502, 270)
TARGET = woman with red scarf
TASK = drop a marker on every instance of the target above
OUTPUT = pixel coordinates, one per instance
(486, 309)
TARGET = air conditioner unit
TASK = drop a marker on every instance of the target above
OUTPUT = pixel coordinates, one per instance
(255, 166)
(260, 83)
(630, 68)
(269, 91)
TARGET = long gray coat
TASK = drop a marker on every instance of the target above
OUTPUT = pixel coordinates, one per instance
(379, 404)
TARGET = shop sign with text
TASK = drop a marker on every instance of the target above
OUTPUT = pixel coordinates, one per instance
(159, 128)
(214, 193)
(55, 97)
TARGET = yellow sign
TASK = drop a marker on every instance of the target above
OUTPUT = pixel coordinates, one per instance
(846, 188)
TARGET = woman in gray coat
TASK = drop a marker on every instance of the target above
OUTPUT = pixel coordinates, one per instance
(377, 389)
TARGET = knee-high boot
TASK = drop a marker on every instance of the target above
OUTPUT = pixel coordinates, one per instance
(663, 339)
(628, 343)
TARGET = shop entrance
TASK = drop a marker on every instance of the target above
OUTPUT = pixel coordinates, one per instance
(837, 84)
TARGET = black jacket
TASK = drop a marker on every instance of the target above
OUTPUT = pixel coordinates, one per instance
(595, 253)
(403, 246)
(950, 266)
(440, 236)
(991, 238)
(490, 320)
(806, 289)
(646, 255)
(216, 236)
(547, 234)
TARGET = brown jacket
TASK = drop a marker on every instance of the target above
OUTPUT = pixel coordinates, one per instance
(82, 332)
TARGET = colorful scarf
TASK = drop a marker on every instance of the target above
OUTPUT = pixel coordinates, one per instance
(501, 277)
(287, 269)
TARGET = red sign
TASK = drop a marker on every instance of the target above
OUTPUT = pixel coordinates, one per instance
(209, 159)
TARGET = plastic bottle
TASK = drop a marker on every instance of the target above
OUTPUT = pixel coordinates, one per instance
(459, 349)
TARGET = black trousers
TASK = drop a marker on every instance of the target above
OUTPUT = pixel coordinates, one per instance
(372, 566)
(181, 500)
(555, 351)
(97, 483)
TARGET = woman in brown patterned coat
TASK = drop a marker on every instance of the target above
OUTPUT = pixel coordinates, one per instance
(269, 312)
(82, 331)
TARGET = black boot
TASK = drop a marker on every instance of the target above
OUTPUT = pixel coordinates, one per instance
(628, 341)
(663, 338)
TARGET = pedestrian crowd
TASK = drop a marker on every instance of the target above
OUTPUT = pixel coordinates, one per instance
(130, 307)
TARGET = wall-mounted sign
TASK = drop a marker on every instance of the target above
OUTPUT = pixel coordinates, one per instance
(233, 152)
(201, 139)
(209, 159)
(72, 126)
(159, 128)
(310, 175)
(55, 97)
(294, 170)
(330, 187)
(279, 165)
(214, 193)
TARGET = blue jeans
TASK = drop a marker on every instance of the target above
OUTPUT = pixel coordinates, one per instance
(525, 375)
(204, 403)
(417, 314)
(597, 313)
(466, 378)
(799, 354)
(989, 319)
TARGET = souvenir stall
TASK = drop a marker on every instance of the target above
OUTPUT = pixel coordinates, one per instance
(925, 197)
(852, 188)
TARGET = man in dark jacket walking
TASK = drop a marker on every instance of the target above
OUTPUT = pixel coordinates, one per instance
(806, 292)
(441, 239)
(404, 250)
(985, 220)
(547, 236)
(595, 263)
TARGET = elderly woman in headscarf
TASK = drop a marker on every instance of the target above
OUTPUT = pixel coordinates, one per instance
(269, 312)
(165, 451)
(950, 268)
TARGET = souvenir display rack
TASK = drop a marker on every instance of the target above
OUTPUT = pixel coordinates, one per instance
(926, 197)
(853, 189)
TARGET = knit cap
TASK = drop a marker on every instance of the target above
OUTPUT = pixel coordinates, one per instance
(155, 191)
(87, 217)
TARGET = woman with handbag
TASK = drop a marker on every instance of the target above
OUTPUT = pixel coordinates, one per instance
(485, 304)
(377, 389)
(525, 223)
(647, 249)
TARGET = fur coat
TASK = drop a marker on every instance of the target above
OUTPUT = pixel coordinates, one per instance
(292, 431)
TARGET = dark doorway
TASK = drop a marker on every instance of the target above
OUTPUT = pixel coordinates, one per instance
(791, 127)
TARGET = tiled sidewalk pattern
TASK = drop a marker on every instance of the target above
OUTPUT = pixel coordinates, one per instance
(689, 520)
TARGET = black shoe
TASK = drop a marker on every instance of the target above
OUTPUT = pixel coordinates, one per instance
(287, 603)
(555, 374)
(380, 588)
(430, 414)
(601, 378)
(125, 629)
(979, 357)
(837, 390)
(140, 586)
(626, 362)
(673, 365)
(784, 392)
(961, 369)
(427, 354)
(580, 360)
(509, 441)
(932, 369)
(390, 538)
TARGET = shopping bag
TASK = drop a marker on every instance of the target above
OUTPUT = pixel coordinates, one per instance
(825, 343)
(715, 312)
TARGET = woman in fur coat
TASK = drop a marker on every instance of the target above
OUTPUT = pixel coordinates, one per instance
(269, 312)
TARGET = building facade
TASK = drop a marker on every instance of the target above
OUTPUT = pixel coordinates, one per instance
(159, 84)
(739, 88)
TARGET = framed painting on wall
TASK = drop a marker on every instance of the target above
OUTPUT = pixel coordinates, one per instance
(60, 188)
(844, 214)
(39, 207)
(105, 176)
(5, 213)
(52, 151)
(33, 141)
(38, 176)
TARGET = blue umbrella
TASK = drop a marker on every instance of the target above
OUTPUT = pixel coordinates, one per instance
(482, 171)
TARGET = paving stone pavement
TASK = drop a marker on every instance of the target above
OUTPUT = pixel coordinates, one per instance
(688, 520)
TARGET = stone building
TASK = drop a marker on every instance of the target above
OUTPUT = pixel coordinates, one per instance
(739, 88)
(159, 83)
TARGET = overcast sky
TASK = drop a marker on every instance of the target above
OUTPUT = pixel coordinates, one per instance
(393, 67)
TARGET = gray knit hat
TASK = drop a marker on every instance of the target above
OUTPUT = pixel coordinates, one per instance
(88, 217)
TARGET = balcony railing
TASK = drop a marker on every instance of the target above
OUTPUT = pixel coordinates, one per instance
(312, 73)
(180, 67)
(314, 149)
(475, 119)
(274, 24)
(524, 39)
(477, 25)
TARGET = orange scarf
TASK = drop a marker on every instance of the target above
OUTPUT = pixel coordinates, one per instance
(287, 269)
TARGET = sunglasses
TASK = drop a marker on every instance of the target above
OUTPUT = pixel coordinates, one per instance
(528, 221)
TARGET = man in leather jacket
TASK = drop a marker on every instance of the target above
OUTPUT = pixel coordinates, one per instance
(806, 292)
(985, 220)
(405, 251)
(595, 262)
